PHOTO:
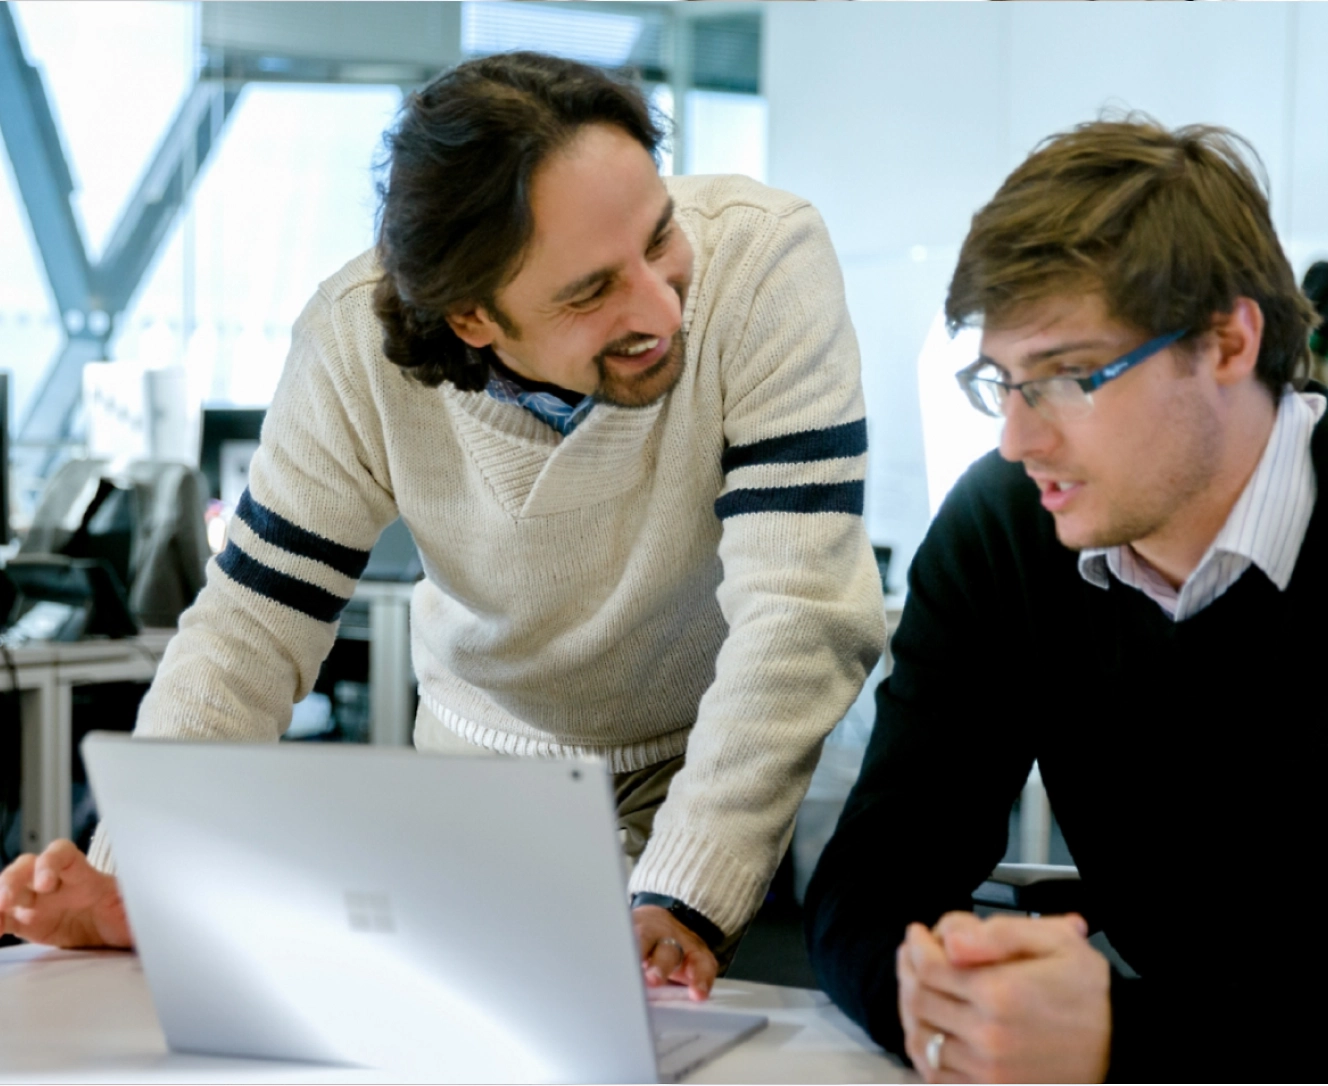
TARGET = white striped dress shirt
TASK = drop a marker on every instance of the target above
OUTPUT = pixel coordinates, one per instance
(1265, 528)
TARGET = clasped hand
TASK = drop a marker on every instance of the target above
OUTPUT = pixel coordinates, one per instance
(1017, 999)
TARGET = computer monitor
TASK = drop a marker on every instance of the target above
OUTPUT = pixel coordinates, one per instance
(228, 442)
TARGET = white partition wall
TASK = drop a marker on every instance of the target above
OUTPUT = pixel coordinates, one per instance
(900, 119)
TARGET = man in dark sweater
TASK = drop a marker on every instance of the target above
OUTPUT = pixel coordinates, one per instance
(1121, 595)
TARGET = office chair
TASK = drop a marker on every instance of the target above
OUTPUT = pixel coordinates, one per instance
(1035, 889)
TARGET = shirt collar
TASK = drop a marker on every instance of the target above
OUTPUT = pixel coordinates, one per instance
(1267, 524)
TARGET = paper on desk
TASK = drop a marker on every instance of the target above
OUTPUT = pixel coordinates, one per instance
(726, 993)
(30, 952)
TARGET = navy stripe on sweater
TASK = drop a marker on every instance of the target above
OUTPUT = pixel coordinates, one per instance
(811, 498)
(831, 443)
(275, 529)
(280, 587)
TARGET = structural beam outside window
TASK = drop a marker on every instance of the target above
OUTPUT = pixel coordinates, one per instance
(44, 182)
(90, 297)
(243, 43)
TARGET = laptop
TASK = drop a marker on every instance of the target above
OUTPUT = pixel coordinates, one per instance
(452, 918)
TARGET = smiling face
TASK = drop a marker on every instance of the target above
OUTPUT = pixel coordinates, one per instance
(1139, 467)
(596, 306)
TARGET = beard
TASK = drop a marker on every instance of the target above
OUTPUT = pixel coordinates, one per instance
(646, 387)
(1151, 505)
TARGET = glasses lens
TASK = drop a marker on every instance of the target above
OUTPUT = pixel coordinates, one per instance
(988, 395)
(984, 390)
(1062, 398)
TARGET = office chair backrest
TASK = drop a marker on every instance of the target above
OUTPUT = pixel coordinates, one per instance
(146, 522)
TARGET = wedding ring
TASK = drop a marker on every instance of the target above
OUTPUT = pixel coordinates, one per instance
(676, 945)
(933, 1053)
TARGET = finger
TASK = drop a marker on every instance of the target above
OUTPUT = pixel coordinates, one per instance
(60, 859)
(916, 1046)
(1078, 923)
(1006, 938)
(955, 921)
(700, 968)
(957, 1058)
(16, 883)
(930, 964)
(907, 980)
(666, 957)
(942, 1011)
(922, 946)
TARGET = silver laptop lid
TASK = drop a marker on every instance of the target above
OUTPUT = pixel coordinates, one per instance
(458, 918)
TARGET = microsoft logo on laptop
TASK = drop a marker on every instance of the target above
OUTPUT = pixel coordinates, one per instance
(370, 912)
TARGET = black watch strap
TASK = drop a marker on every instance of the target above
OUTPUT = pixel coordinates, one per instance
(687, 916)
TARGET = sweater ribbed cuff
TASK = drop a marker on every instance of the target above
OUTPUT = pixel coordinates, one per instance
(99, 851)
(696, 870)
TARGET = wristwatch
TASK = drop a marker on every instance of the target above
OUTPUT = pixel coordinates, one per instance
(688, 917)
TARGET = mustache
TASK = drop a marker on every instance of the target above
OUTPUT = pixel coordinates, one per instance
(618, 346)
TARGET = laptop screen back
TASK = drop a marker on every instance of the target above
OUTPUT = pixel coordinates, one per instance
(460, 918)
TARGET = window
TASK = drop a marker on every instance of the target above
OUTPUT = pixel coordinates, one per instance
(714, 60)
(953, 433)
(287, 198)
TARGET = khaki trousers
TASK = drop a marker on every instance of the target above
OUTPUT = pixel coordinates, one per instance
(637, 795)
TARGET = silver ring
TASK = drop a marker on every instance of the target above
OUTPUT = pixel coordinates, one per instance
(682, 954)
(934, 1046)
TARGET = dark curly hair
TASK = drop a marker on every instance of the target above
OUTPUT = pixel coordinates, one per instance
(454, 216)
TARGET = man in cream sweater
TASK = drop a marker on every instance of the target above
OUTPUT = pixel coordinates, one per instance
(622, 418)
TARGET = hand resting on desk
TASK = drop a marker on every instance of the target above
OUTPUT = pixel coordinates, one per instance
(60, 899)
(672, 953)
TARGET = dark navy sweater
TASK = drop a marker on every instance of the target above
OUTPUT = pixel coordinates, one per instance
(1183, 761)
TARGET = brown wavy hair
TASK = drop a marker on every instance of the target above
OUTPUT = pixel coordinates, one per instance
(454, 212)
(1170, 226)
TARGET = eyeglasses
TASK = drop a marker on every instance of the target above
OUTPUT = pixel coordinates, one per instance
(1055, 398)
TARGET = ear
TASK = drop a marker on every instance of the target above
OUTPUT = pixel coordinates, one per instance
(473, 326)
(1239, 335)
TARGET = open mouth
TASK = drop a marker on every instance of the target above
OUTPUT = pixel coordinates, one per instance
(1058, 493)
(641, 355)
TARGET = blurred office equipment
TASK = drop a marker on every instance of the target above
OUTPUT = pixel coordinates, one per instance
(137, 412)
(144, 522)
(228, 440)
(115, 411)
(1037, 889)
(1315, 286)
(382, 602)
(4, 457)
(59, 598)
(394, 557)
(883, 556)
(53, 684)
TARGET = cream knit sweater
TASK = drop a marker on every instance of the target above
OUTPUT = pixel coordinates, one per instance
(690, 576)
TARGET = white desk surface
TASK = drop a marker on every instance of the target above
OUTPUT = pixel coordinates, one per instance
(85, 1016)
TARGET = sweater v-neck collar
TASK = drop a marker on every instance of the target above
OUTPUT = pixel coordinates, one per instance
(535, 472)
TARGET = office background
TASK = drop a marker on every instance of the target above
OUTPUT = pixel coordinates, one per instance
(897, 119)
(179, 177)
